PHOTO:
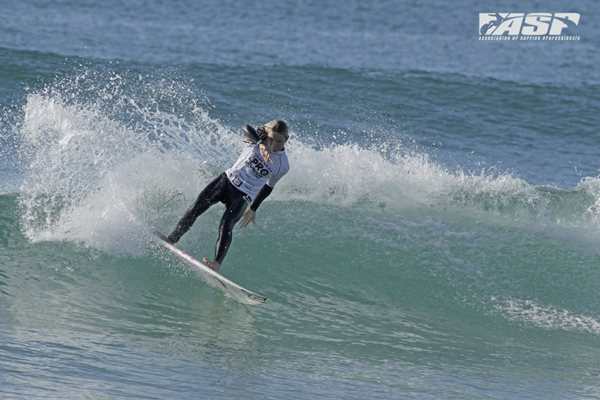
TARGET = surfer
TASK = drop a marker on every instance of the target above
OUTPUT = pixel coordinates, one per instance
(262, 163)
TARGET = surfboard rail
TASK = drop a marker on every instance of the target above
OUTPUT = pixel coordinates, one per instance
(213, 278)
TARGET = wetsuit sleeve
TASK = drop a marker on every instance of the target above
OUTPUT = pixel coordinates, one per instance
(252, 135)
(260, 197)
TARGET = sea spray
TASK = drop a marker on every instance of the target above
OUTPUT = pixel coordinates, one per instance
(93, 162)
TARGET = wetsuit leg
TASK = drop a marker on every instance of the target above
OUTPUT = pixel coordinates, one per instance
(236, 205)
(214, 192)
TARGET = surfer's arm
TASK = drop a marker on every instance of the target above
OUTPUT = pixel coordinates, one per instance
(252, 136)
(261, 196)
(250, 213)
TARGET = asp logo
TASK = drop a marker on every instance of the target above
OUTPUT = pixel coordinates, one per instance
(532, 26)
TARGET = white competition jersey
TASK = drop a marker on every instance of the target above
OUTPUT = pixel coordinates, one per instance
(250, 172)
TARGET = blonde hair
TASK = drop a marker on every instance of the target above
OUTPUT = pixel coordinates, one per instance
(275, 126)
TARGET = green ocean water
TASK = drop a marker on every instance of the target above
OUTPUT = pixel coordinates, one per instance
(435, 238)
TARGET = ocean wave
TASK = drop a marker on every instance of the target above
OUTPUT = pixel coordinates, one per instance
(102, 151)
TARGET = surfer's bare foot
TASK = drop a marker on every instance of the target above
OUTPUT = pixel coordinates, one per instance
(212, 264)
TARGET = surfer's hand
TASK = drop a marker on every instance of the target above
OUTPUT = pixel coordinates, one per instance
(264, 152)
(248, 217)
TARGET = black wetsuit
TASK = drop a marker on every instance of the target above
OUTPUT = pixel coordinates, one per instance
(221, 190)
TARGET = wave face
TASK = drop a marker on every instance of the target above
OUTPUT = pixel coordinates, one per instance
(436, 237)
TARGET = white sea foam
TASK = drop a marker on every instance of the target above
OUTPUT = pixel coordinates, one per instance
(546, 317)
(94, 177)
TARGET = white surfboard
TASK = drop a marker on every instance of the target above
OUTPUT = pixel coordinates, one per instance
(215, 279)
